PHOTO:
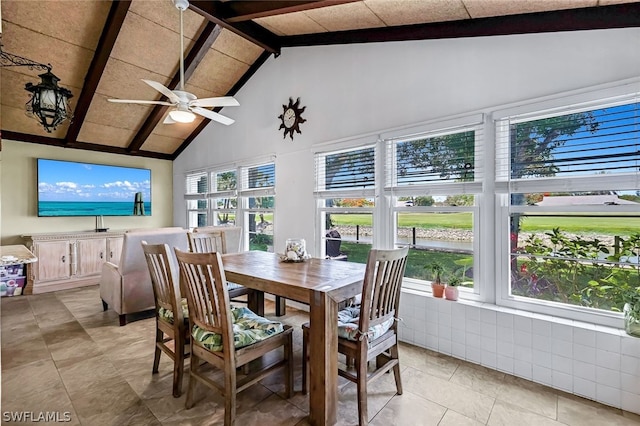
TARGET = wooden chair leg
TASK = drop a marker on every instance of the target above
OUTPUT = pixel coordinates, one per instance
(230, 397)
(305, 338)
(193, 368)
(361, 366)
(396, 369)
(178, 366)
(158, 352)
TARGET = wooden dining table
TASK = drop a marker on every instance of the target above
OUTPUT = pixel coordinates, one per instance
(320, 283)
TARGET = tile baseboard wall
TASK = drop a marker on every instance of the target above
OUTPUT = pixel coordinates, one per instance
(594, 362)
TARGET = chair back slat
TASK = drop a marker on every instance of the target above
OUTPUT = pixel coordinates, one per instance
(381, 286)
(206, 242)
(207, 296)
(164, 278)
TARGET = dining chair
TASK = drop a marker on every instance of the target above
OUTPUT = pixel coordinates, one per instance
(214, 241)
(228, 337)
(172, 316)
(232, 243)
(369, 330)
(206, 242)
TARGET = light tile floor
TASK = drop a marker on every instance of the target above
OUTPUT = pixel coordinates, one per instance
(62, 353)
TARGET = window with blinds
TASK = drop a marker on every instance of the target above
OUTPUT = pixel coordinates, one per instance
(583, 149)
(196, 196)
(571, 178)
(196, 183)
(345, 185)
(346, 171)
(257, 191)
(440, 162)
(224, 196)
(258, 179)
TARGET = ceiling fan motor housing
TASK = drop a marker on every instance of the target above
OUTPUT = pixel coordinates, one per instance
(181, 4)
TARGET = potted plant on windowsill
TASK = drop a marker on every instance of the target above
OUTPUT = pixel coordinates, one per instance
(451, 292)
(437, 287)
(632, 311)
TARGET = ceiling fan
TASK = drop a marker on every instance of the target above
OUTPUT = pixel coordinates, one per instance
(185, 103)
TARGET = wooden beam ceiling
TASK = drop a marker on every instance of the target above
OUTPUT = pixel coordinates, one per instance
(238, 11)
(248, 30)
(112, 26)
(45, 140)
(590, 18)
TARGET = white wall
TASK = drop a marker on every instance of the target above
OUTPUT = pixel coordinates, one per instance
(19, 191)
(360, 89)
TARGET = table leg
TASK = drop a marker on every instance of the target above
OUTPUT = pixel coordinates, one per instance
(323, 360)
(281, 306)
(256, 302)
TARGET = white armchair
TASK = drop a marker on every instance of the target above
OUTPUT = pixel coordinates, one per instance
(127, 288)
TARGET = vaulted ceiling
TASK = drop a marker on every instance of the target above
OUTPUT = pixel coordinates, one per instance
(102, 50)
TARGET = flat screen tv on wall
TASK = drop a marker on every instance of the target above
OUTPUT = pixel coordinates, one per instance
(68, 188)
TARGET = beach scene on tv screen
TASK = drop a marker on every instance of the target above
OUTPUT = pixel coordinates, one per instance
(82, 189)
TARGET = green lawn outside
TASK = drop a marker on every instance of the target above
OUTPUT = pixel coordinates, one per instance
(463, 220)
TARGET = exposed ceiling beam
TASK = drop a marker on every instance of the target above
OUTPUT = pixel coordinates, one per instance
(112, 26)
(213, 11)
(236, 87)
(45, 140)
(237, 11)
(590, 18)
(196, 54)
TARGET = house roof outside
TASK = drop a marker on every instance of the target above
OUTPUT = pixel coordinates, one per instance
(582, 200)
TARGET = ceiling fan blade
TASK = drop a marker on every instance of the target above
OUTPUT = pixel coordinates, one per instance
(137, 101)
(215, 102)
(213, 115)
(165, 91)
(169, 120)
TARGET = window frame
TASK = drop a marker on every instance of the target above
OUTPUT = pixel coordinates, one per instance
(587, 100)
(245, 192)
(393, 190)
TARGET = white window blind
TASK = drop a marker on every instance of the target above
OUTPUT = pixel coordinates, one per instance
(258, 180)
(224, 183)
(196, 186)
(579, 149)
(435, 162)
(346, 173)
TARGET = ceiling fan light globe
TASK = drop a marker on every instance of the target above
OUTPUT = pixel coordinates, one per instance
(182, 116)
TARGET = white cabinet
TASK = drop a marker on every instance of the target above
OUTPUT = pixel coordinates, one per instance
(114, 248)
(90, 254)
(69, 260)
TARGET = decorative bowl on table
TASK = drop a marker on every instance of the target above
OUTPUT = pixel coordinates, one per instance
(295, 251)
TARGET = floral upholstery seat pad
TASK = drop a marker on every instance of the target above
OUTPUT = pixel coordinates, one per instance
(248, 328)
(348, 320)
(167, 314)
(233, 286)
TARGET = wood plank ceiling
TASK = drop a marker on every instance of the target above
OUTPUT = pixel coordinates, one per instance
(102, 49)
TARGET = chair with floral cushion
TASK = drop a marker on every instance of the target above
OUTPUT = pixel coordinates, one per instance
(228, 337)
(369, 330)
(172, 316)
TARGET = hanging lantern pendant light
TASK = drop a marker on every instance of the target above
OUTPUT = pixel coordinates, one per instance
(49, 103)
